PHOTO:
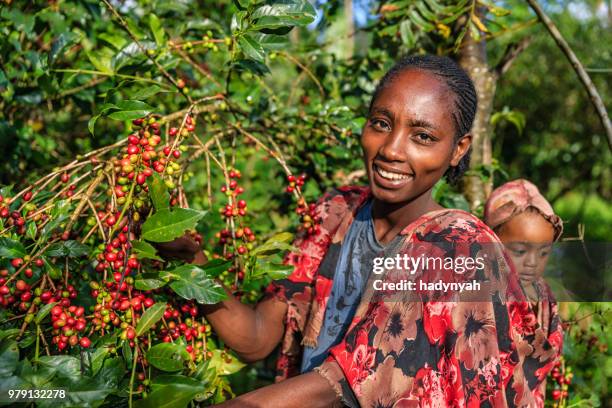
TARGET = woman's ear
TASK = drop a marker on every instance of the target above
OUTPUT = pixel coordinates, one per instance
(461, 148)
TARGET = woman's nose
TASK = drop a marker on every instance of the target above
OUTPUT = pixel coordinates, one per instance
(531, 260)
(394, 146)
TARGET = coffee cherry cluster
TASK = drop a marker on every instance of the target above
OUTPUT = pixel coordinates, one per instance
(115, 308)
(308, 216)
(15, 219)
(232, 190)
(68, 324)
(115, 257)
(236, 240)
(12, 218)
(181, 321)
(562, 376)
(295, 182)
(18, 294)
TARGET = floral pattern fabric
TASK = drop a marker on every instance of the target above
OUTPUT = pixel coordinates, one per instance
(415, 352)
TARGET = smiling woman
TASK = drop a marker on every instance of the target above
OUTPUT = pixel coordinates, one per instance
(343, 347)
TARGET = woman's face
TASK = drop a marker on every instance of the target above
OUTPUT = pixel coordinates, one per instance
(409, 139)
(528, 239)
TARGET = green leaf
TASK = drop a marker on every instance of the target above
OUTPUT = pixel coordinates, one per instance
(273, 270)
(271, 41)
(60, 43)
(241, 4)
(102, 60)
(131, 109)
(65, 366)
(22, 22)
(515, 117)
(53, 271)
(31, 230)
(274, 245)
(129, 115)
(420, 22)
(173, 392)
(157, 30)
(126, 350)
(85, 391)
(148, 281)
(406, 33)
(11, 249)
(9, 357)
(165, 225)
(251, 47)
(145, 92)
(133, 105)
(132, 54)
(113, 39)
(9, 333)
(43, 312)
(291, 13)
(104, 109)
(216, 266)
(158, 192)
(168, 356)
(150, 317)
(144, 250)
(59, 213)
(191, 282)
(70, 249)
(27, 340)
(101, 351)
(91, 123)
(255, 67)
(218, 363)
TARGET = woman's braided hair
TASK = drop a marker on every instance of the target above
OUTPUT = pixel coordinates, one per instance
(459, 83)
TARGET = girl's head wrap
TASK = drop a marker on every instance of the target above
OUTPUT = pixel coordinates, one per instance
(513, 198)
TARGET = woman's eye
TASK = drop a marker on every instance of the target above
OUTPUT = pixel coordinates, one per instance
(424, 138)
(381, 125)
(519, 252)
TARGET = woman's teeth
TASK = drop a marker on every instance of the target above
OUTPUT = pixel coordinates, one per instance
(391, 176)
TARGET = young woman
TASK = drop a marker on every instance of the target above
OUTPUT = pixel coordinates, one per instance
(527, 226)
(340, 347)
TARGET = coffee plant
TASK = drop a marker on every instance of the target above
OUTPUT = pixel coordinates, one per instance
(90, 304)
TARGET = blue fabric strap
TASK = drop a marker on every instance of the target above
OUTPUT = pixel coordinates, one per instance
(350, 275)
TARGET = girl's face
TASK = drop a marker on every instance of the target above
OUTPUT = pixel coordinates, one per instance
(528, 238)
(409, 139)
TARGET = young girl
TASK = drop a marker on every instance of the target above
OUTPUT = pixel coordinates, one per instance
(342, 348)
(527, 226)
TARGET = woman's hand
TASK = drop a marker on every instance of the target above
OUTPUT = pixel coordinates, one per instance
(184, 248)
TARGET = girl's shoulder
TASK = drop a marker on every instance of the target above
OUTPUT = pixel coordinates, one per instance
(450, 224)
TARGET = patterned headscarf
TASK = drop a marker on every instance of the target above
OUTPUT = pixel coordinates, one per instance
(513, 198)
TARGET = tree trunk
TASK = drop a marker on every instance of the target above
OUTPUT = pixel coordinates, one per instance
(473, 58)
(350, 28)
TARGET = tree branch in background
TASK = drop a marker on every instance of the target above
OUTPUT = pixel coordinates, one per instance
(580, 71)
(511, 54)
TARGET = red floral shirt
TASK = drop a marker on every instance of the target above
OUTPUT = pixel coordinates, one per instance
(412, 352)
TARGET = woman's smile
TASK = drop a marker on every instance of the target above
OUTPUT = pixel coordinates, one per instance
(390, 178)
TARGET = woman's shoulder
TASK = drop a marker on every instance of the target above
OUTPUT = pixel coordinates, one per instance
(348, 194)
(452, 224)
(341, 199)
